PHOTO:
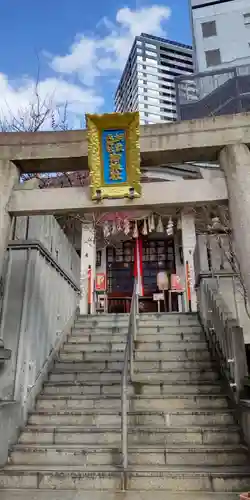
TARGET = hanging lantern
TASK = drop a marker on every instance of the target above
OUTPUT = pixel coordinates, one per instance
(149, 225)
(126, 226)
(170, 227)
(119, 225)
(106, 230)
(114, 229)
(159, 228)
(216, 224)
(135, 231)
(145, 228)
(152, 223)
(179, 225)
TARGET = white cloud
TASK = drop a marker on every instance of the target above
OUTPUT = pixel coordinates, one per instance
(89, 57)
(16, 99)
(95, 56)
(81, 59)
(147, 19)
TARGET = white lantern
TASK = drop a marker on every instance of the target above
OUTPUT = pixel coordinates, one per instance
(170, 227)
(126, 226)
(159, 228)
(106, 230)
(135, 231)
(152, 223)
(145, 229)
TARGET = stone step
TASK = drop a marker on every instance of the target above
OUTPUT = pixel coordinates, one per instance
(150, 340)
(157, 346)
(108, 455)
(170, 324)
(142, 326)
(168, 317)
(45, 494)
(143, 330)
(156, 317)
(81, 336)
(113, 418)
(143, 365)
(65, 388)
(140, 481)
(135, 403)
(189, 375)
(89, 347)
(150, 326)
(119, 319)
(111, 364)
(213, 435)
(86, 389)
(102, 323)
(94, 376)
(65, 455)
(176, 375)
(77, 353)
(119, 346)
(54, 477)
(201, 354)
(213, 479)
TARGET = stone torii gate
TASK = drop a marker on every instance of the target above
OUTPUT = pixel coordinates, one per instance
(224, 139)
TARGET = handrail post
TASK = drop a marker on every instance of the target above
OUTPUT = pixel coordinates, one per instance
(128, 357)
(124, 419)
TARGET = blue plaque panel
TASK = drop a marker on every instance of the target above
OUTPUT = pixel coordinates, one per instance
(114, 156)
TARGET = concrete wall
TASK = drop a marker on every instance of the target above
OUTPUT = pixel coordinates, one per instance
(45, 229)
(38, 308)
(232, 35)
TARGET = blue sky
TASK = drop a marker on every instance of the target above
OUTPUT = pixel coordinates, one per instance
(80, 49)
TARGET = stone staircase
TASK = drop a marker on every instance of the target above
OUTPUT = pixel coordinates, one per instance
(184, 441)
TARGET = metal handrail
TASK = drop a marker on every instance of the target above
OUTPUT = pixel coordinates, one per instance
(127, 375)
(224, 336)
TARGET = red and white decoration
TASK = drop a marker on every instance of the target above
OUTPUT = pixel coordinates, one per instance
(138, 267)
(134, 223)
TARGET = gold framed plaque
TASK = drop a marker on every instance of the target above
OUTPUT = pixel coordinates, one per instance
(114, 155)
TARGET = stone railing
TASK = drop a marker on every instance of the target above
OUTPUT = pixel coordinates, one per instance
(224, 336)
(211, 261)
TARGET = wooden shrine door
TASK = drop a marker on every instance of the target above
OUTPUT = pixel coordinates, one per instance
(120, 276)
(157, 254)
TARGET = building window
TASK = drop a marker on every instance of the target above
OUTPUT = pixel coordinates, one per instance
(247, 19)
(209, 29)
(213, 57)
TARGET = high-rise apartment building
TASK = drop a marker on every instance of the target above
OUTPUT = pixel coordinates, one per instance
(148, 80)
(221, 33)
